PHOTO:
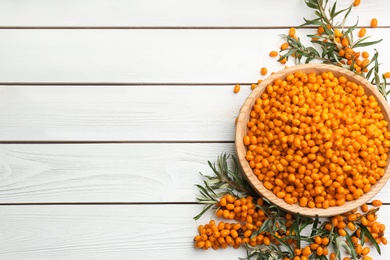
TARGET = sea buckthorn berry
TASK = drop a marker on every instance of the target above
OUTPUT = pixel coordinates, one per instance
(263, 71)
(306, 251)
(362, 32)
(374, 23)
(325, 241)
(273, 53)
(318, 239)
(237, 88)
(377, 203)
(304, 149)
(356, 2)
(284, 46)
(342, 232)
(292, 32)
(387, 75)
(365, 251)
(351, 226)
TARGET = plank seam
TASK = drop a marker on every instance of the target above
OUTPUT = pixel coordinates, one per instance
(117, 142)
(95, 203)
(108, 84)
(112, 203)
(119, 84)
(160, 27)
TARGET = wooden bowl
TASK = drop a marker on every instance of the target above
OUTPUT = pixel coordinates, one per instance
(241, 131)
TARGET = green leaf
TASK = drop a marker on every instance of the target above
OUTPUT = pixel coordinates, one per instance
(346, 14)
(334, 240)
(352, 28)
(315, 224)
(296, 229)
(366, 233)
(291, 252)
(322, 257)
(206, 208)
(333, 10)
(316, 21)
(311, 4)
(365, 44)
(265, 227)
(351, 246)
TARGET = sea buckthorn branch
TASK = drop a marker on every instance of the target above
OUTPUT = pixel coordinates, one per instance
(337, 46)
(267, 232)
(224, 181)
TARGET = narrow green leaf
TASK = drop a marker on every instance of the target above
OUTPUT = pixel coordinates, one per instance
(352, 28)
(315, 224)
(266, 226)
(291, 252)
(351, 246)
(365, 44)
(346, 14)
(367, 233)
(297, 231)
(333, 10)
(205, 209)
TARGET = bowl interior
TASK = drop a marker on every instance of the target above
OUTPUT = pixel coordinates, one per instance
(241, 131)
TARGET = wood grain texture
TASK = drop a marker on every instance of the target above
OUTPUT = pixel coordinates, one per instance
(102, 232)
(133, 173)
(146, 56)
(131, 113)
(41, 173)
(112, 232)
(174, 13)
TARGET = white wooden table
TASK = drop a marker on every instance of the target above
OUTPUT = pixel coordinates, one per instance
(110, 108)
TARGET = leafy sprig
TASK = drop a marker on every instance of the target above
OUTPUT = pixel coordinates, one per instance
(327, 46)
(228, 178)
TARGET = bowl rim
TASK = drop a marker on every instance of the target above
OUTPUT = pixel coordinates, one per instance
(241, 129)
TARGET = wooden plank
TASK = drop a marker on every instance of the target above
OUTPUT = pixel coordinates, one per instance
(112, 232)
(146, 56)
(102, 232)
(50, 173)
(35, 173)
(126, 113)
(151, 13)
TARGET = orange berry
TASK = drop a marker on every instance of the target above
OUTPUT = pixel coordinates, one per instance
(320, 30)
(263, 71)
(362, 32)
(365, 54)
(366, 251)
(387, 75)
(292, 32)
(306, 251)
(342, 232)
(237, 88)
(374, 23)
(377, 203)
(273, 53)
(345, 42)
(284, 46)
(356, 3)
